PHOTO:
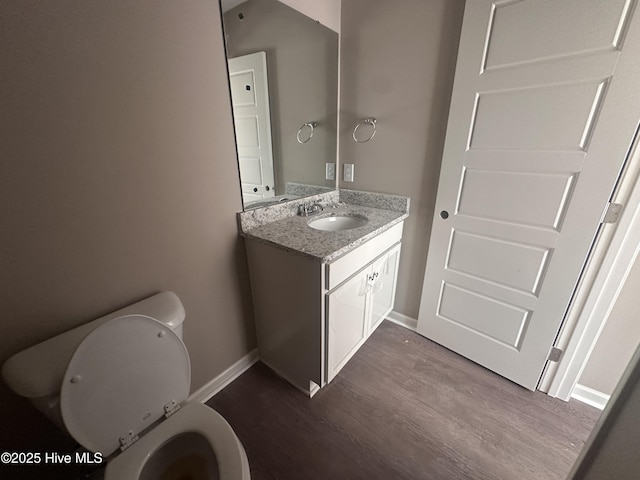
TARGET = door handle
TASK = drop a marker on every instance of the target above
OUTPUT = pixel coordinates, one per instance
(444, 214)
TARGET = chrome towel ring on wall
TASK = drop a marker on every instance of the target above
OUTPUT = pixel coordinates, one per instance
(311, 127)
(370, 121)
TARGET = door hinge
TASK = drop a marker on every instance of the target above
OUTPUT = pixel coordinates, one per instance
(170, 408)
(611, 213)
(554, 354)
(127, 440)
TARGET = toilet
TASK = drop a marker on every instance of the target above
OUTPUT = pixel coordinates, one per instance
(119, 386)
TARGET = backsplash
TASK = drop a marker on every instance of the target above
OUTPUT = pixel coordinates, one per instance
(261, 216)
(383, 201)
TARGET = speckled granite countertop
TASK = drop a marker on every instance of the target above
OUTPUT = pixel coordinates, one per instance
(284, 229)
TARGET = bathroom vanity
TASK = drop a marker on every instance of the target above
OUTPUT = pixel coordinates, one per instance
(321, 284)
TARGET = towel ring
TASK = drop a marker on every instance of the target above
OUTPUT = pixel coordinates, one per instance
(312, 126)
(371, 121)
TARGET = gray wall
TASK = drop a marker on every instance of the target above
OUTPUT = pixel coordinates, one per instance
(619, 339)
(612, 449)
(118, 177)
(397, 65)
(302, 66)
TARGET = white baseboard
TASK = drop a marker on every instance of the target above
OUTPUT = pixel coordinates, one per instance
(403, 320)
(209, 389)
(590, 396)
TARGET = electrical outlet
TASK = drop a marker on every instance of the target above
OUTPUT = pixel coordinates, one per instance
(348, 172)
(330, 171)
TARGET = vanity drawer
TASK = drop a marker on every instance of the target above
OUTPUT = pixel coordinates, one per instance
(347, 265)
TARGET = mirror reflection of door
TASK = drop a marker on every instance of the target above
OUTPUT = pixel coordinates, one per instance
(252, 118)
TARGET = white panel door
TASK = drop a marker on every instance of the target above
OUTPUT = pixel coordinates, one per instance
(252, 118)
(545, 103)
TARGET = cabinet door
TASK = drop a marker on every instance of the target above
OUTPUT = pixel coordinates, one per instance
(383, 290)
(346, 321)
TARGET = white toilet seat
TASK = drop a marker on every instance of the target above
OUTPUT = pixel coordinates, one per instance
(193, 417)
(130, 369)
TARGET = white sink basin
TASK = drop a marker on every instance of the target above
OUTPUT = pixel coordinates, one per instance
(336, 223)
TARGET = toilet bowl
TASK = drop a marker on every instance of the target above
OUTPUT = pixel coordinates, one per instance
(209, 450)
(122, 388)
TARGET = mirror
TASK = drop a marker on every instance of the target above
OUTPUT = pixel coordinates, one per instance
(283, 76)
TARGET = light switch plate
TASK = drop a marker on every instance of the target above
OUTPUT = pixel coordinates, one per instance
(348, 172)
(330, 171)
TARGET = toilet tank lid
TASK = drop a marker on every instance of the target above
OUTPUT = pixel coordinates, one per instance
(38, 371)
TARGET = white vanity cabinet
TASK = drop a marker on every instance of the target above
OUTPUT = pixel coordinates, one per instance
(357, 307)
(311, 317)
(383, 294)
(347, 321)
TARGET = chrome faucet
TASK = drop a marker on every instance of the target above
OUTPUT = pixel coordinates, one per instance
(308, 209)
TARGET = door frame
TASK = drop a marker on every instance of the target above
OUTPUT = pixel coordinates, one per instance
(612, 256)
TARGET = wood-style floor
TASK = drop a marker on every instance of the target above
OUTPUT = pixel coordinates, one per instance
(404, 408)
